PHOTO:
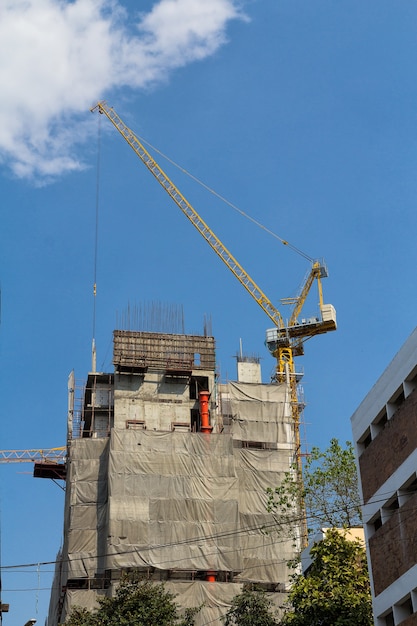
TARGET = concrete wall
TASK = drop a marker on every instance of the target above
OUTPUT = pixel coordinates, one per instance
(385, 435)
(156, 401)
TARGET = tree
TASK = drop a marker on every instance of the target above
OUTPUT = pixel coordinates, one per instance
(251, 608)
(328, 490)
(136, 603)
(335, 591)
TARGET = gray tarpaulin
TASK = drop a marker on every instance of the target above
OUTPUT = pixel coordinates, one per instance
(181, 501)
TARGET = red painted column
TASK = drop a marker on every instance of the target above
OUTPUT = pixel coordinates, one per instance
(203, 397)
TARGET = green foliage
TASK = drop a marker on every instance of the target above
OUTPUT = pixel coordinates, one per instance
(82, 617)
(328, 490)
(251, 608)
(136, 603)
(335, 590)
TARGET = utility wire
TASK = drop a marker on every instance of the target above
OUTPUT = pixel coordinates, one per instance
(411, 514)
(261, 528)
(264, 528)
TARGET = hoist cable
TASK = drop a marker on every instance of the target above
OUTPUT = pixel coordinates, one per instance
(223, 199)
(96, 236)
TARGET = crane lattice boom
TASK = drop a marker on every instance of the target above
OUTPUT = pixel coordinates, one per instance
(284, 341)
(197, 221)
(49, 455)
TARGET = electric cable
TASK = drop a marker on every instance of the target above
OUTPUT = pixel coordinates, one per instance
(263, 528)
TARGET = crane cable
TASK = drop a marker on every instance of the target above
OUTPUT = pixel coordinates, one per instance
(223, 199)
(93, 346)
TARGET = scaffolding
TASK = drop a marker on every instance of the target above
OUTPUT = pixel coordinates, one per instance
(148, 490)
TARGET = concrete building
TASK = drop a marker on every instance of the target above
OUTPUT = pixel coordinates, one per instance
(167, 474)
(385, 434)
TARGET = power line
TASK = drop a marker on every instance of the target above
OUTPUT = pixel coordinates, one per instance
(265, 528)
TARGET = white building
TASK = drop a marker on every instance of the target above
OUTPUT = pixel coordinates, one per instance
(385, 435)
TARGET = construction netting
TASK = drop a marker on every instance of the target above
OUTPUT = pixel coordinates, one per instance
(260, 413)
(184, 503)
(86, 507)
(214, 599)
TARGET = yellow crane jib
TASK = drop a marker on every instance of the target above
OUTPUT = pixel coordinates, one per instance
(197, 221)
(284, 340)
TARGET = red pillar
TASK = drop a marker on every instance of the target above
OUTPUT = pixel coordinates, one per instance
(203, 397)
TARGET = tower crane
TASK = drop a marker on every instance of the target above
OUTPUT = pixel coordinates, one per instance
(48, 462)
(284, 341)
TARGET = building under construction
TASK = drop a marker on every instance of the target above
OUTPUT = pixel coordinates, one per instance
(167, 472)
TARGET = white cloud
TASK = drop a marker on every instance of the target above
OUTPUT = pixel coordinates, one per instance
(58, 57)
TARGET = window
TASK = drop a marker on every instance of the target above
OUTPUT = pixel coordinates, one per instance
(404, 609)
(389, 508)
(395, 402)
(257, 445)
(367, 440)
(197, 384)
(374, 524)
(410, 383)
(364, 441)
(183, 427)
(379, 422)
(408, 489)
(195, 420)
(135, 424)
(389, 619)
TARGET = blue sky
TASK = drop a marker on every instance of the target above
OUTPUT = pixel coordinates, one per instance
(301, 113)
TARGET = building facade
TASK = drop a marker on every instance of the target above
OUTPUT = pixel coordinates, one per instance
(167, 473)
(385, 434)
